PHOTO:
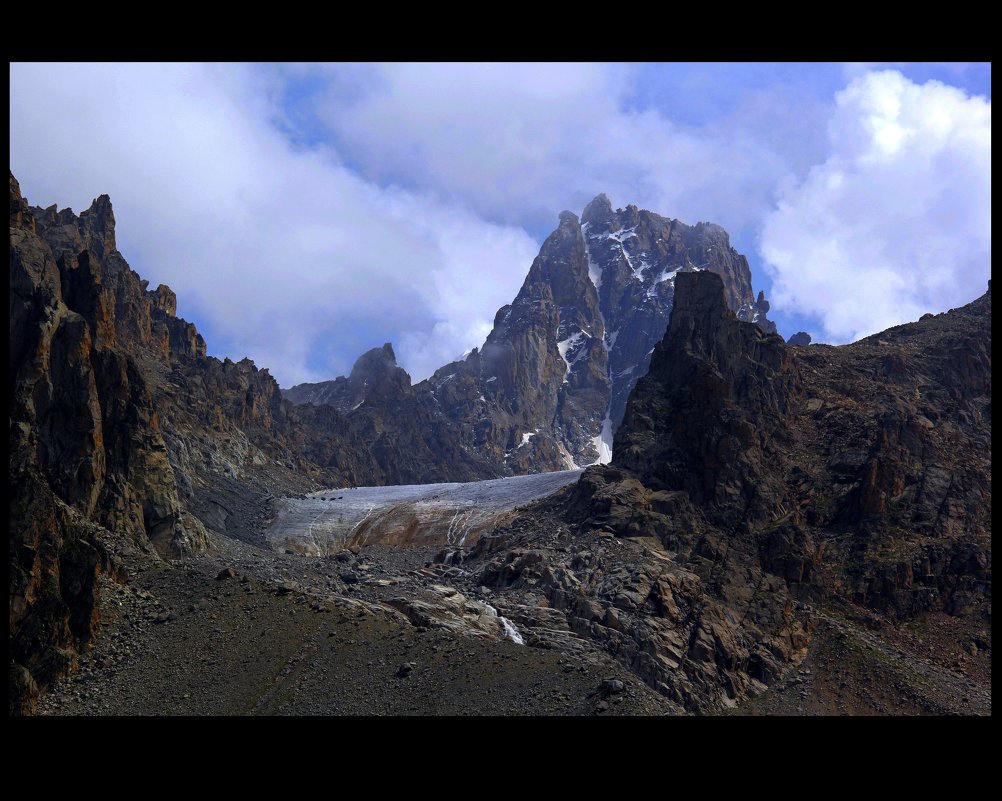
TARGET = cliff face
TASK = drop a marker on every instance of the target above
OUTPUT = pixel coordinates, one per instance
(532, 398)
(86, 446)
(549, 386)
(119, 422)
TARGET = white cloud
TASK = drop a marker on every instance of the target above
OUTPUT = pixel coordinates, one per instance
(897, 221)
(403, 223)
(521, 141)
(275, 248)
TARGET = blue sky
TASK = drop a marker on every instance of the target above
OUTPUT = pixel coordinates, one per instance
(305, 213)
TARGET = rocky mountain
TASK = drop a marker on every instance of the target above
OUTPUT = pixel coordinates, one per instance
(634, 257)
(761, 492)
(770, 509)
(404, 436)
(549, 386)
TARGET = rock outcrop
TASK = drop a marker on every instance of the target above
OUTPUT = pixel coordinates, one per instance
(710, 417)
(549, 386)
(753, 482)
(868, 465)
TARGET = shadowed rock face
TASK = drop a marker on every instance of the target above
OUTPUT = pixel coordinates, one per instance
(711, 418)
(891, 432)
(86, 446)
(375, 374)
(549, 386)
(751, 480)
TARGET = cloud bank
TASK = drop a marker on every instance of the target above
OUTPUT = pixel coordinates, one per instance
(307, 213)
(896, 221)
(519, 142)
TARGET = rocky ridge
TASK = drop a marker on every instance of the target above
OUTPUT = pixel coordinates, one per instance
(759, 492)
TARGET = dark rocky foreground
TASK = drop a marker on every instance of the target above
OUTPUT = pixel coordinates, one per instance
(378, 630)
(284, 635)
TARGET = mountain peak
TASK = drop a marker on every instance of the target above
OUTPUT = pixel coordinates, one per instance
(374, 362)
(99, 220)
(598, 211)
(731, 379)
(568, 218)
(20, 216)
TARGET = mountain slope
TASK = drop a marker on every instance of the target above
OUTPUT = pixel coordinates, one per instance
(872, 458)
(120, 425)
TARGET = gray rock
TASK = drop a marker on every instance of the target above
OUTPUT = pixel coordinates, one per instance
(405, 669)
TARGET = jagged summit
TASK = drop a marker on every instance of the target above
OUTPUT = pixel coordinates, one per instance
(95, 226)
(374, 363)
(375, 376)
(549, 385)
(568, 218)
(100, 220)
(598, 211)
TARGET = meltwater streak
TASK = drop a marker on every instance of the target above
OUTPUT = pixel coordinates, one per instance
(510, 631)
